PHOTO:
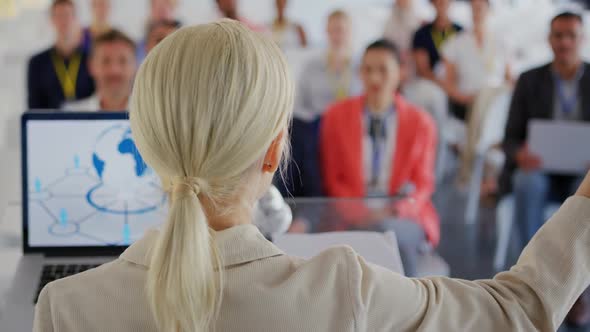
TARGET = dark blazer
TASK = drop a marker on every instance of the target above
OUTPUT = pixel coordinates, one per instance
(534, 99)
(43, 86)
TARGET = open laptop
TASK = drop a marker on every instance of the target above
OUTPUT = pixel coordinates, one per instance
(87, 195)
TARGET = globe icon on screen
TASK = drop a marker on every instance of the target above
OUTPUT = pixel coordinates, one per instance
(125, 182)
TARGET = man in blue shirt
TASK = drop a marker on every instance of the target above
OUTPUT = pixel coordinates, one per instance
(60, 73)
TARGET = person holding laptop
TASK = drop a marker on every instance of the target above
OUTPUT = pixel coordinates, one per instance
(112, 65)
(207, 268)
(556, 91)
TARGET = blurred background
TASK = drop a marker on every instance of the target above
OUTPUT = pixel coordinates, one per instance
(477, 237)
(25, 30)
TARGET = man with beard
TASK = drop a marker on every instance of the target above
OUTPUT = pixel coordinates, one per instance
(112, 64)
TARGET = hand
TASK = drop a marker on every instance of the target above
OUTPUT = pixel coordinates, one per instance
(527, 160)
(380, 215)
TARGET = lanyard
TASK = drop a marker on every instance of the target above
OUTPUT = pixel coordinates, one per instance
(378, 135)
(340, 83)
(67, 76)
(439, 37)
(568, 103)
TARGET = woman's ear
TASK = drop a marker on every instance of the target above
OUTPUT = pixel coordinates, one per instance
(272, 159)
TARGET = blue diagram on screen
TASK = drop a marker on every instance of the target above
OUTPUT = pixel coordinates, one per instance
(103, 195)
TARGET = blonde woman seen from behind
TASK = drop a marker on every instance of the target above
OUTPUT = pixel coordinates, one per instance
(212, 166)
(210, 111)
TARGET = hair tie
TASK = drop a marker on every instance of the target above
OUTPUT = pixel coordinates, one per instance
(186, 186)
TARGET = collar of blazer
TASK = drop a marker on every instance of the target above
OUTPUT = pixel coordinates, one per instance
(237, 245)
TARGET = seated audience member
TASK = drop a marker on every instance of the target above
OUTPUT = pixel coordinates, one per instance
(330, 76)
(477, 69)
(160, 11)
(401, 26)
(557, 91)
(379, 145)
(101, 10)
(432, 99)
(229, 9)
(423, 83)
(475, 59)
(157, 31)
(208, 268)
(287, 34)
(325, 79)
(112, 65)
(429, 39)
(60, 73)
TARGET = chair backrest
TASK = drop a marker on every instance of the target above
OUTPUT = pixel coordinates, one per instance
(494, 122)
(376, 248)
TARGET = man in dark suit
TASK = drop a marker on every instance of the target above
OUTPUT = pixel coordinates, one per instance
(60, 73)
(559, 91)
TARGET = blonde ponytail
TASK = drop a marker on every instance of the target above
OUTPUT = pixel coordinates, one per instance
(185, 241)
(207, 103)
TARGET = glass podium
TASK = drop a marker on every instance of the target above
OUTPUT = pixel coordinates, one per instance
(465, 251)
(377, 214)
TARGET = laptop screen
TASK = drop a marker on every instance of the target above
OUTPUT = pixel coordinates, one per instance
(85, 183)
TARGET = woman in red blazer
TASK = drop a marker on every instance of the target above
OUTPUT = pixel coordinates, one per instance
(351, 164)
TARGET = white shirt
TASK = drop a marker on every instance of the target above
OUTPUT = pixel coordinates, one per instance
(90, 104)
(266, 290)
(287, 38)
(400, 28)
(477, 68)
(386, 157)
(317, 88)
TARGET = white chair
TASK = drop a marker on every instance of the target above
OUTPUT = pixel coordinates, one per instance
(376, 248)
(492, 133)
(504, 226)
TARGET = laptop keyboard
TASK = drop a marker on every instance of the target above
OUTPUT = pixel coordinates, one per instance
(54, 272)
